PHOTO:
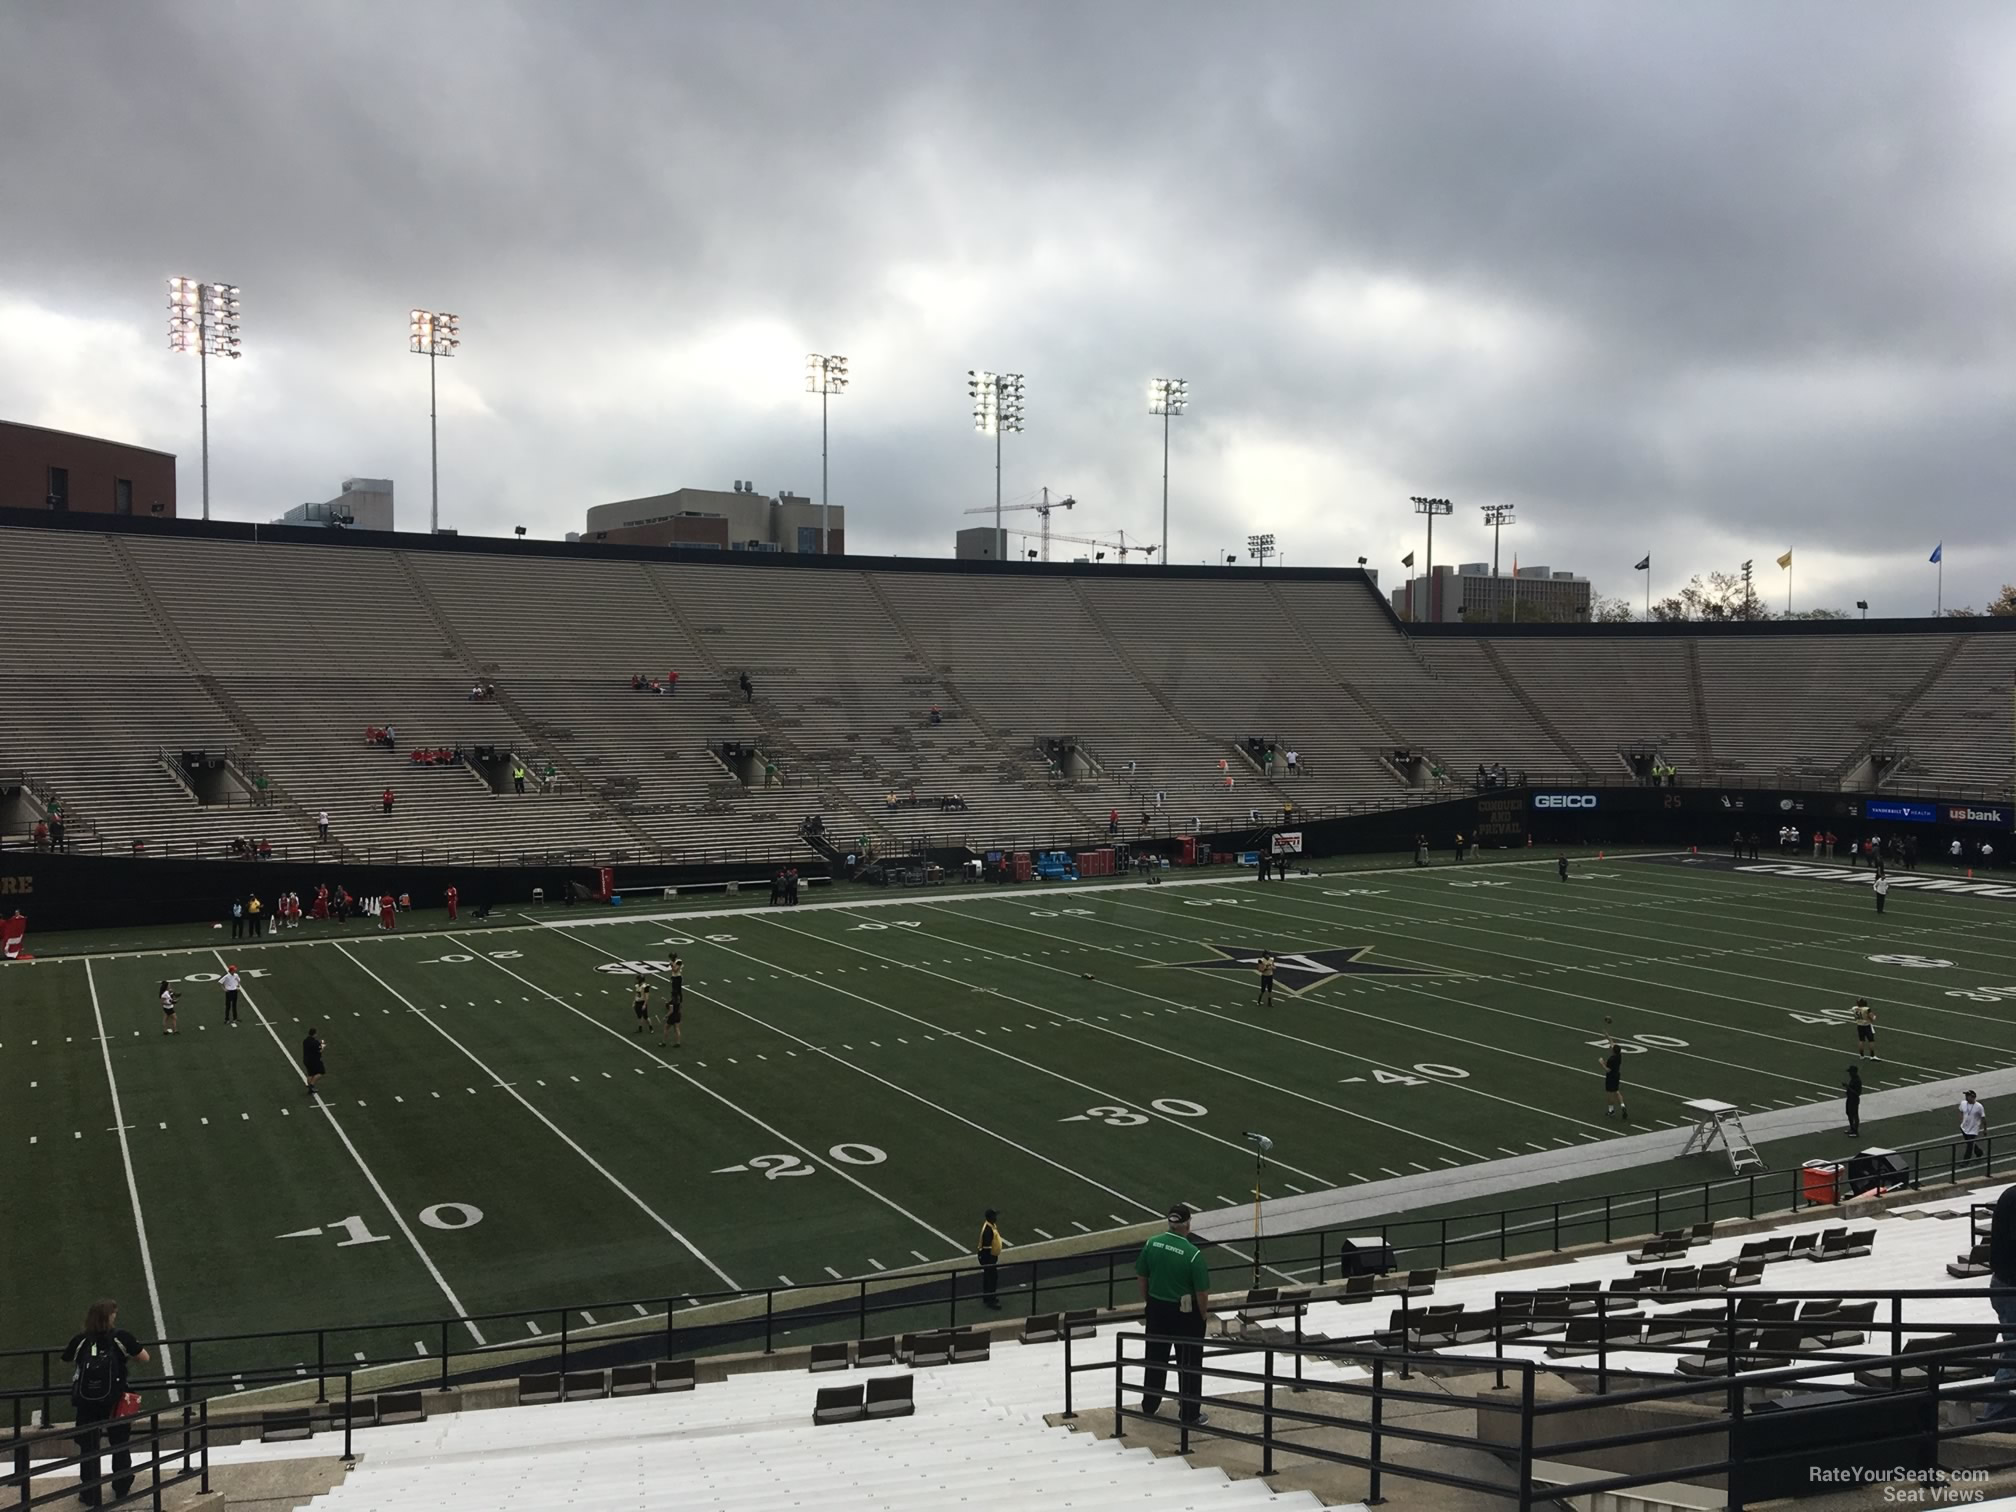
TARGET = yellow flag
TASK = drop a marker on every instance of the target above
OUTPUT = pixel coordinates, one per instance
(1785, 560)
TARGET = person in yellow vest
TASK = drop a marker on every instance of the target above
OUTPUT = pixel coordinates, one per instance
(990, 1259)
(518, 775)
(255, 914)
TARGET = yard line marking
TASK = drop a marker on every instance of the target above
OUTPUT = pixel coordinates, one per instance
(564, 1137)
(1391, 1172)
(639, 1308)
(1234, 1202)
(834, 1274)
(1080, 1227)
(530, 1327)
(132, 1187)
(921, 1256)
(419, 1346)
(863, 1071)
(787, 1280)
(1118, 1219)
(877, 1263)
(588, 1318)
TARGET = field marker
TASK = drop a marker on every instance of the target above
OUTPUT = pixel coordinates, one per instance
(1391, 1172)
(370, 1176)
(639, 1308)
(531, 1327)
(564, 1137)
(787, 1280)
(1043, 1233)
(834, 1274)
(588, 1318)
(877, 1263)
(132, 1185)
(1080, 1227)
(921, 1256)
(419, 1347)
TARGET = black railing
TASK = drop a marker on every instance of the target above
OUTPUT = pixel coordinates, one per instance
(1783, 1424)
(767, 1318)
(166, 1445)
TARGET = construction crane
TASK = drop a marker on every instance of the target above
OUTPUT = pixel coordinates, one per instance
(1120, 545)
(1042, 507)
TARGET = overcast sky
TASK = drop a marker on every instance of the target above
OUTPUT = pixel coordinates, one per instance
(1708, 279)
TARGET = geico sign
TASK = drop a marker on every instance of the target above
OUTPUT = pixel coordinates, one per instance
(1564, 800)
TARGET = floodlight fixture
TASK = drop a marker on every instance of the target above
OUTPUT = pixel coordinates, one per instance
(825, 375)
(1430, 508)
(1167, 397)
(203, 318)
(431, 334)
(1260, 547)
(997, 407)
(1497, 516)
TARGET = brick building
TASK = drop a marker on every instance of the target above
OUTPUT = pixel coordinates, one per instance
(52, 469)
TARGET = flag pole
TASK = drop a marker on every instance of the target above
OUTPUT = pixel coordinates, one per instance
(1648, 585)
(1939, 609)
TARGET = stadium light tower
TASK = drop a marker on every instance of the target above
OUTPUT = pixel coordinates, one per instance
(1497, 516)
(824, 376)
(1167, 397)
(433, 333)
(203, 318)
(1430, 508)
(1260, 547)
(997, 407)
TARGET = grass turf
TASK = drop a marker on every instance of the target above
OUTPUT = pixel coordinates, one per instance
(860, 1080)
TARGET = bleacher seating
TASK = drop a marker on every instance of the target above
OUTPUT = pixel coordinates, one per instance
(281, 652)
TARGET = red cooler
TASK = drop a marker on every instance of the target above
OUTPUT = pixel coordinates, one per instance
(1820, 1183)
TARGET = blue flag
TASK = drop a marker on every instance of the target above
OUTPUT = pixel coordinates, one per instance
(1937, 552)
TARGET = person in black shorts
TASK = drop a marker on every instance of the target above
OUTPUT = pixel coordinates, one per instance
(1265, 966)
(675, 1000)
(311, 1057)
(101, 1353)
(1561, 865)
(1613, 1083)
(640, 1003)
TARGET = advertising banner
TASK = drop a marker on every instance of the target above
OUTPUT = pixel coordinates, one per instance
(1288, 843)
(1901, 813)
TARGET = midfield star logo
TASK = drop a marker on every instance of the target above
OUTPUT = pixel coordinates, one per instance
(1297, 971)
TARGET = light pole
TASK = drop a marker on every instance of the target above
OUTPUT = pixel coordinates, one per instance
(433, 333)
(203, 318)
(1496, 516)
(1167, 397)
(1260, 547)
(1863, 605)
(824, 376)
(1430, 508)
(997, 407)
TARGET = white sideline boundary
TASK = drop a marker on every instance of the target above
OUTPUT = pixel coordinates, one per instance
(909, 897)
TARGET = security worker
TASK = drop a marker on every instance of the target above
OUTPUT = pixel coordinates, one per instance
(1176, 1288)
(990, 1259)
(518, 775)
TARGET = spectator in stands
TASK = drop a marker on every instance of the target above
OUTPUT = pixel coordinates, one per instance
(322, 826)
(1176, 1296)
(937, 715)
(41, 835)
(386, 799)
(1294, 759)
(56, 829)
(748, 688)
(265, 849)
(990, 1259)
(391, 738)
(2002, 1278)
(101, 1353)
(671, 684)
(1113, 822)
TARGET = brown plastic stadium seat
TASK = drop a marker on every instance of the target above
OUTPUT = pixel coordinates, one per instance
(1081, 1324)
(629, 1380)
(871, 1354)
(1042, 1328)
(360, 1412)
(968, 1348)
(675, 1375)
(828, 1357)
(583, 1386)
(839, 1404)
(284, 1425)
(402, 1406)
(543, 1387)
(889, 1396)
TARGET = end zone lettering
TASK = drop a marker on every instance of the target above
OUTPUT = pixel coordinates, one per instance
(1564, 800)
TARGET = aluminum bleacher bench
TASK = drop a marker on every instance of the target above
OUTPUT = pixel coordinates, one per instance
(1042, 1328)
(283, 1425)
(840, 1404)
(584, 1386)
(828, 1357)
(543, 1387)
(872, 1354)
(890, 1396)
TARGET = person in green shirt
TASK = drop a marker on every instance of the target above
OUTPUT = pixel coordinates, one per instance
(1176, 1293)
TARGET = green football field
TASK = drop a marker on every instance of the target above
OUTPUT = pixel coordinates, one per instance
(861, 1077)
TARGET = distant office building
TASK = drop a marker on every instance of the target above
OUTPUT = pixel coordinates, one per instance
(1469, 594)
(735, 519)
(58, 470)
(364, 504)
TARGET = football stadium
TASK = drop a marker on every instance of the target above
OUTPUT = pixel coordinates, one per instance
(894, 1016)
(1073, 938)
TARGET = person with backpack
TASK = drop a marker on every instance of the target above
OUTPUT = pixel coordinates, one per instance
(98, 1391)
